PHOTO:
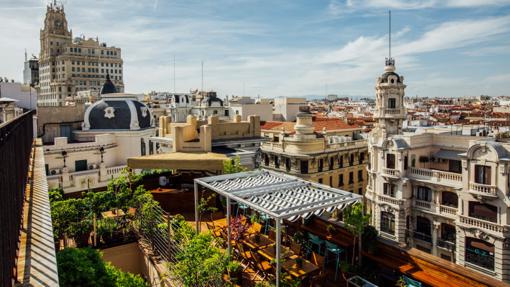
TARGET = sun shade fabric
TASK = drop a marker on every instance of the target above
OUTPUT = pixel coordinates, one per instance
(279, 195)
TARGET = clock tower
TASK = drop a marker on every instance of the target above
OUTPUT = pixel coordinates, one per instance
(55, 35)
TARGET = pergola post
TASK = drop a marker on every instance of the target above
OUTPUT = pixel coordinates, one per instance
(197, 215)
(229, 229)
(278, 250)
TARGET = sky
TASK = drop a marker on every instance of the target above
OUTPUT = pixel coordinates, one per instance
(443, 48)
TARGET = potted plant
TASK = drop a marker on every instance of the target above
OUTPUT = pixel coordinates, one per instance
(235, 272)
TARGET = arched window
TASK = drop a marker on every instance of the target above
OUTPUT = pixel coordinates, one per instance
(388, 222)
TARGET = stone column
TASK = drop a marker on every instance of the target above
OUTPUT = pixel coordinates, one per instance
(65, 177)
(435, 231)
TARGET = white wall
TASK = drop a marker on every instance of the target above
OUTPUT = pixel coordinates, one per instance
(19, 92)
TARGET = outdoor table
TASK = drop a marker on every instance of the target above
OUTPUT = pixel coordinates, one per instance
(110, 213)
(263, 242)
(270, 252)
(308, 268)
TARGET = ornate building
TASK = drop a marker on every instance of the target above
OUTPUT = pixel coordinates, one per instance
(338, 159)
(68, 65)
(438, 191)
(114, 128)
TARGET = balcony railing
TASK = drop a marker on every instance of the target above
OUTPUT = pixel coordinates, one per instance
(422, 204)
(447, 210)
(446, 244)
(391, 172)
(422, 236)
(16, 139)
(491, 226)
(389, 199)
(483, 189)
(435, 175)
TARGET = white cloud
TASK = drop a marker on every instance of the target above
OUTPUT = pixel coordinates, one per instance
(336, 7)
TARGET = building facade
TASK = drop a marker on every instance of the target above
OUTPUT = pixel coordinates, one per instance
(114, 128)
(31, 71)
(338, 159)
(68, 65)
(441, 192)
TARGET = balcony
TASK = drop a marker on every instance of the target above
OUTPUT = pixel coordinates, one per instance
(422, 236)
(421, 204)
(478, 189)
(448, 211)
(391, 172)
(436, 176)
(446, 244)
(482, 224)
(390, 200)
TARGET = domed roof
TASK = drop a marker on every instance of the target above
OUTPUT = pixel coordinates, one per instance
(108, 86)
(117, 112)
(384, 77)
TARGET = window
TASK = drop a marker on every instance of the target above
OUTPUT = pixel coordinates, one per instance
(423, 193)
(266, 160)
(361, 158)
(320, 180)
(448, 232)
(389, 189)
(390, 161)
(287, 164)
(360, 175)
(321, 164)
(351, 177)
(483, 211)
(276, 162)
(331, 163)
(392, 103)
(480, 253)
(331, 181)
(351, 159)
(142, 147)
(423, 229)
(482, 174)
(80, 165)
(360, 190)
(340, 180)
(304, 166)
(387, 222)
(455, 166)
(341, 161)
(406, 164)
(449, 199)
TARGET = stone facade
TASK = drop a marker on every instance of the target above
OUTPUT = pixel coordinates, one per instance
(440, 192)
(68, 65)
(338, 160)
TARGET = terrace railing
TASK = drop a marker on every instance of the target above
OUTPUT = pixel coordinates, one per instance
(16, 139)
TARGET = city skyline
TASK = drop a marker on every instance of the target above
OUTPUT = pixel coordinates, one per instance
(452, 48)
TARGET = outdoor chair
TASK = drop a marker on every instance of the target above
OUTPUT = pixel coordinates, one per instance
(315, 241)
(336, 251)
(318, 260)
(295, 247)
(243, 208)
(261, 265)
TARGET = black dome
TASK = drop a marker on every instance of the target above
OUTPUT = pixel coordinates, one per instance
(112, 113)
(384, 77)
(108, 86)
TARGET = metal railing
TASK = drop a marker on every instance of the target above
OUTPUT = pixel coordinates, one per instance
(16, 139)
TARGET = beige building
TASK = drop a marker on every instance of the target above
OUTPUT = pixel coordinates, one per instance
(437, 191)
(68, 65)
(337, 159)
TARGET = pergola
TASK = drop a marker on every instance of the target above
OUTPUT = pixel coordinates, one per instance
(278, 195)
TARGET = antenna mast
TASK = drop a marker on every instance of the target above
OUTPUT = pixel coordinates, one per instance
(389, 34)
(202, 76)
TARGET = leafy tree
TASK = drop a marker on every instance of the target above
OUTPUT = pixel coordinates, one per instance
(56, 194)
(71, 217)
(233, 165)
(356, 221)
(200, 262)
(85, 267)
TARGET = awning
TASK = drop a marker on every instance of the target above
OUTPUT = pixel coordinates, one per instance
(279, 195)
(207, 161)
(448, 154)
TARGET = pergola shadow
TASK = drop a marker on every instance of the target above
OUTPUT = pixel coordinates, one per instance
(279, 196)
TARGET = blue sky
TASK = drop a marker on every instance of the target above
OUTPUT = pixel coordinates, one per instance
(284, 47)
